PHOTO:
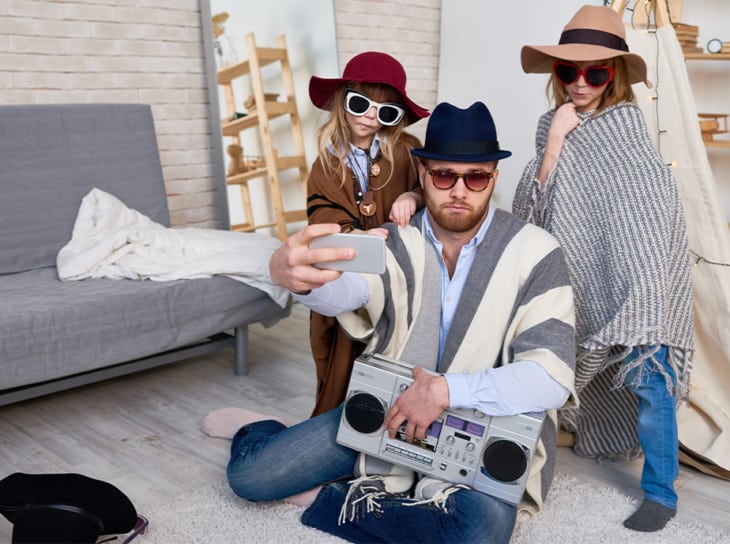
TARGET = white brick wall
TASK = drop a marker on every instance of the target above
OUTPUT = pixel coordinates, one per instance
(149, 51)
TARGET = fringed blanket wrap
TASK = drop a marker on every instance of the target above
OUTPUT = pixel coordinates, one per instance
(615, 209)
(517, 304)
(334, 352)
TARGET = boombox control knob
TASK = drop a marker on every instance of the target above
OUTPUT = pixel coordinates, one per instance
(364, 412)
(505, 460)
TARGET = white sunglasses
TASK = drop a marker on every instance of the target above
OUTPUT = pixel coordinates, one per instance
(388, 114)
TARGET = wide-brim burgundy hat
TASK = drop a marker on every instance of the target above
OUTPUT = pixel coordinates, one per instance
(594, 33)
(367, 67)
(461, 135)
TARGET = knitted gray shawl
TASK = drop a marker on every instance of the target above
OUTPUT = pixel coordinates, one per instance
(615, 208)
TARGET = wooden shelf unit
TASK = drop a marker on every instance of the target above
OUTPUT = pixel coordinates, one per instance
(708, 140)
(707, 56)
(260, 116)
(712, 142)
(717, 125)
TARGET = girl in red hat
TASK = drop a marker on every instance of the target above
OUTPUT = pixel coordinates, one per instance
(364, 175)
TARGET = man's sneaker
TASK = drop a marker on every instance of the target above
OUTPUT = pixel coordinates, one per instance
(396, 479)
(433, 491)
(375, 479)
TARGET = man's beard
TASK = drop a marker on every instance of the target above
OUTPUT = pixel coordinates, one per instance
(456, 222)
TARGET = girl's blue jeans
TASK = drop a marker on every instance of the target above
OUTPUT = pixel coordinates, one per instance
(657, 428)
(270, 461)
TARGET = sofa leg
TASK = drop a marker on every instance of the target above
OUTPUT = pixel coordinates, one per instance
(240, 351)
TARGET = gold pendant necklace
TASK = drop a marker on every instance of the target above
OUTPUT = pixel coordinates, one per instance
(374, 170)
(366, 201)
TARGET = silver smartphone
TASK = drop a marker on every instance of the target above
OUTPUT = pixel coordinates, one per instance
(369, 252)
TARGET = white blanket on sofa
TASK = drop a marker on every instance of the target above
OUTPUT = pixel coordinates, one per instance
(110, 240)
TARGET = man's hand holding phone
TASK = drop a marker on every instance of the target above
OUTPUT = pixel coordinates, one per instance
(300, 266)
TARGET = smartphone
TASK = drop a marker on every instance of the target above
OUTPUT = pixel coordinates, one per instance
(369, 252)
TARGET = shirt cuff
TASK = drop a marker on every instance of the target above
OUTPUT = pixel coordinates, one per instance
(459, 395)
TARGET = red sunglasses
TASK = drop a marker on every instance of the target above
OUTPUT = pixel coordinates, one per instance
(595, 76)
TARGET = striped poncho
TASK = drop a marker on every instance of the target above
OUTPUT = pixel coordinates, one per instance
(615, 208)
(516, 304)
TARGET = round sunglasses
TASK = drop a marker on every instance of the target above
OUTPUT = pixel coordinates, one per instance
(388, 114)
(595, 75)
(446, 179)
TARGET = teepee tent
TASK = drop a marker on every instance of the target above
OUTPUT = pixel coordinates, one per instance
(671, 115)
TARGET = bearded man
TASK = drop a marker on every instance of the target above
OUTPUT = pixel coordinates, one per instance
(478, 298)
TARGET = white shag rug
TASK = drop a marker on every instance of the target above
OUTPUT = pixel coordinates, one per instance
(575, 512)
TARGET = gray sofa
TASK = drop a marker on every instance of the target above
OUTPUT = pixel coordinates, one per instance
(55, 335)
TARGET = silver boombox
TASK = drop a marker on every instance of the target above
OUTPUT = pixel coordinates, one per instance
(489, 453)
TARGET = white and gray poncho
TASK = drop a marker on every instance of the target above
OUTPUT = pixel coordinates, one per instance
(615, 208)
(517, 303)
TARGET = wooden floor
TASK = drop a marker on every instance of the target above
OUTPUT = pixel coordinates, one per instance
(142, 432)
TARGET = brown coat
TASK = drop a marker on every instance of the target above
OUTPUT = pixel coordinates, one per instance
(333, 351)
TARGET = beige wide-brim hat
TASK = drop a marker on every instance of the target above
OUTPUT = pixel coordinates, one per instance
(594, 33)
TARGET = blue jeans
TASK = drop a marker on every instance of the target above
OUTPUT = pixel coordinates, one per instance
(270, 461)
(657, 428)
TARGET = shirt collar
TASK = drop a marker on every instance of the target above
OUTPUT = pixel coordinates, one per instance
(374, 147)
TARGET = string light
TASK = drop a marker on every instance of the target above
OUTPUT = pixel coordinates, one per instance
(699, 258)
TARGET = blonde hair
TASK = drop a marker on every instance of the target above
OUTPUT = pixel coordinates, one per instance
(335, 132)
(618, 89)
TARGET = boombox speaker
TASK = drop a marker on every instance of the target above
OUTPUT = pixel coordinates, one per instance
(489, 453)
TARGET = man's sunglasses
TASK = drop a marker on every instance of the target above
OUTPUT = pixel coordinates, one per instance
(446, 179)
(595, 76)
(389, 114)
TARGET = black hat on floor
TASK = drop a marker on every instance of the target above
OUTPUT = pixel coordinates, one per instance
(63, 508)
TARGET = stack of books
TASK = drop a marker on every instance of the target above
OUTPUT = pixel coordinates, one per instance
(712, 124)
(687, 36)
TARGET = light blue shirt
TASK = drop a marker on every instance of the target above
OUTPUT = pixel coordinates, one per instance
(452, 287)
(357, 160)
(522, 386)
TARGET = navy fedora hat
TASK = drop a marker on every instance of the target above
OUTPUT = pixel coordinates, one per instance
(461, 135)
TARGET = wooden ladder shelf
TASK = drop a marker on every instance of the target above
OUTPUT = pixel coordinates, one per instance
(262, 109)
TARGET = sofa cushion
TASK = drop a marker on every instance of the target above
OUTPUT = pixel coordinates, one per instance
(52, 155)
(51, 329)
